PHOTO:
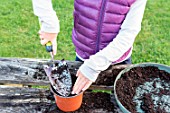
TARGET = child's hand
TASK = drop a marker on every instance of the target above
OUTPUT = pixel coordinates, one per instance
(82, 83)
(46, 37)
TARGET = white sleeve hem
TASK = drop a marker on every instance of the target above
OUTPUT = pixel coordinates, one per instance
(89, 73)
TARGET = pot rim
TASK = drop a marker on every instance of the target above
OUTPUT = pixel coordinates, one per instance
(160, 66)
(54, 92)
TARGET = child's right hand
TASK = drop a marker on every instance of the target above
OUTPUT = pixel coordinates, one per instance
(82, 83)
(46, 37)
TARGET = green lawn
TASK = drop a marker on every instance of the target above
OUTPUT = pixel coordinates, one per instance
(19, 26)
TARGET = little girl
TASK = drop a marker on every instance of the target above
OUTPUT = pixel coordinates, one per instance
(103, 34)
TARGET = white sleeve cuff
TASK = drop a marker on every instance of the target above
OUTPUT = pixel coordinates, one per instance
(89, 72)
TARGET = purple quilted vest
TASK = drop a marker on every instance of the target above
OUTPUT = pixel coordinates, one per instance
(96, 24)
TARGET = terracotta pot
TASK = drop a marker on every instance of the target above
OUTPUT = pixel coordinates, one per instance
(68, 104)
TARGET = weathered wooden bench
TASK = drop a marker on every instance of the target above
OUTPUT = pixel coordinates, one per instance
(29, 99)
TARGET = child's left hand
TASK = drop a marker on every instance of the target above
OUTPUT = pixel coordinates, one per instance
(82, 83)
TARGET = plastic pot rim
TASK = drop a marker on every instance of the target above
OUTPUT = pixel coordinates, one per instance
(52, 89)
(160, 66)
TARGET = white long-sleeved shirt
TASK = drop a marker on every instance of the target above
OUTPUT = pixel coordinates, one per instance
(121, 44)
(46, 15)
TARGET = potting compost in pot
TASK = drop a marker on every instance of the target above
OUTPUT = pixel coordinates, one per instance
(144, 90)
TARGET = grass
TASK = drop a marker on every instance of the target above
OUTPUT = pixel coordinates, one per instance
(153, 42)
(19, 27)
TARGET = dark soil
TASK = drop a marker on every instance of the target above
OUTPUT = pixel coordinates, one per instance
(145, 89)
(107, 77)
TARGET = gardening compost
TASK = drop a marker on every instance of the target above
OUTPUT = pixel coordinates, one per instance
(144, 90)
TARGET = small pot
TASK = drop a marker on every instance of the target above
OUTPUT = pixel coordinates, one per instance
(68, 104)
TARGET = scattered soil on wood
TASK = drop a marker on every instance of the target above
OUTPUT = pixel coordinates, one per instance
(144, 90)
(107, 77)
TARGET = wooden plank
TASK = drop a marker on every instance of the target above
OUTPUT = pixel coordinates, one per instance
(30, 100)
(31, 72)
(37, 63)
(25, 100)
(101, 87)
(27, 71)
